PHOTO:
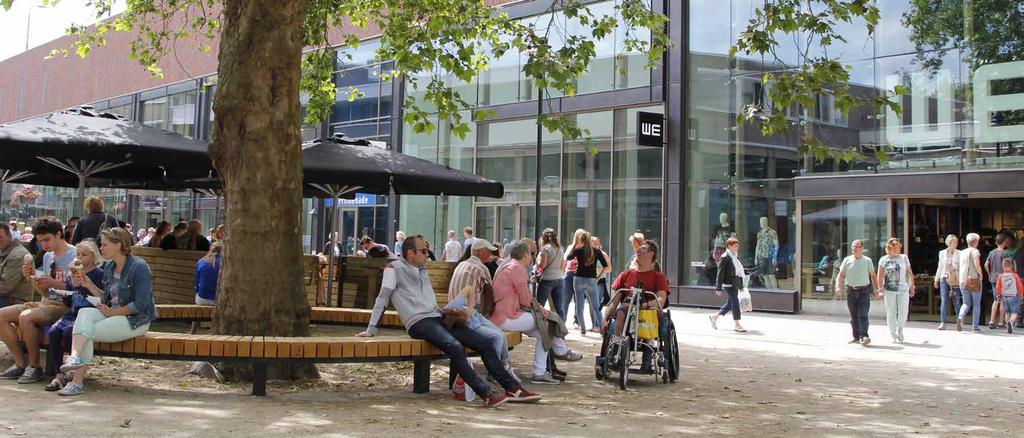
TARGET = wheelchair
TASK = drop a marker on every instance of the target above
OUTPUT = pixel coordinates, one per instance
(623, 352)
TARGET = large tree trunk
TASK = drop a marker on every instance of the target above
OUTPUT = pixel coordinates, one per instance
(256, 149)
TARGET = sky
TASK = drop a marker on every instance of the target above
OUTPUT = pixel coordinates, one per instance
(47, 23)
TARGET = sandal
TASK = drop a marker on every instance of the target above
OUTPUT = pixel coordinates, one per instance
(714, 323)
(56, 384)
(740, 329)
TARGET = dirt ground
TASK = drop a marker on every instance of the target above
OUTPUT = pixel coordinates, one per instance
(790, 375)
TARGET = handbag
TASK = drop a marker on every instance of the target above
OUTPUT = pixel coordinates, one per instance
(973, 281)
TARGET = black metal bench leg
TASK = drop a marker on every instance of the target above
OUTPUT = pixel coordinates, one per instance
(452, 375)
(259, 379)
(421, 376)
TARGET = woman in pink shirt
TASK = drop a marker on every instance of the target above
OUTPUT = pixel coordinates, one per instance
(511, 297)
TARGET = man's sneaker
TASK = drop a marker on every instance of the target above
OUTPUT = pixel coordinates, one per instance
(865, 341)
(521, 395)
(959, 324)
(493, 399)
(71, 388)
(31, 375)
(569, 356)
(73, 363)
(12, 373)
(544, 379)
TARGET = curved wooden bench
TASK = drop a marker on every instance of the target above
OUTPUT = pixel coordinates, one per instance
(263, 350)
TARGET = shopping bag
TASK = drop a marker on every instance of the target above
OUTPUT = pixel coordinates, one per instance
(744, 298)
(461, 391)
(647, 324)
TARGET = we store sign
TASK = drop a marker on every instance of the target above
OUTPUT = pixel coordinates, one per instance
(650, 129)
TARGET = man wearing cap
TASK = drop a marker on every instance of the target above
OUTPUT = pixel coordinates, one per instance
(473, 274)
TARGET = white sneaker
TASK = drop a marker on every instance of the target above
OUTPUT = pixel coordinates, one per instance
(544, 379)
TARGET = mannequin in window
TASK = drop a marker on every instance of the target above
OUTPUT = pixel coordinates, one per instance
(722, 233)
(765, 252)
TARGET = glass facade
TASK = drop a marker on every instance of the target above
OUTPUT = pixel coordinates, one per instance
(175, 112)
(963, 111)
(605, 183)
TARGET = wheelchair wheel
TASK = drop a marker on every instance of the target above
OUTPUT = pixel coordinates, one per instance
(624, 363)
(672, 355)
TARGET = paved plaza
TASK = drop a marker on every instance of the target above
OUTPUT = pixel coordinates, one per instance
(789, 376)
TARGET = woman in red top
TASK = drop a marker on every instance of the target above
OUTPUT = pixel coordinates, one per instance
(511, 296)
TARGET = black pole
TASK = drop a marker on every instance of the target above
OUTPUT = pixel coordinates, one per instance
(540, 133)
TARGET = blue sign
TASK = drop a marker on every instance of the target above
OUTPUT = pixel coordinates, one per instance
(361, 200)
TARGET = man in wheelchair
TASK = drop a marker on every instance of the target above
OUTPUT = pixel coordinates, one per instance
(648, 277)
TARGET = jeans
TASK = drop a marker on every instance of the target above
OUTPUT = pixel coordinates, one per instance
(858, 301)
(586, 290)
(568, 291)
(732, 302)
(496, 337)
(525, 324)
(897, 303)
(98, 328)
(58, 341)
(453, 342)
(948, 295)
(1010, 305)
(552, 289)
(972, 305)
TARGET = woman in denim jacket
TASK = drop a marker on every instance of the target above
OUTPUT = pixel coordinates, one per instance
(126, 310)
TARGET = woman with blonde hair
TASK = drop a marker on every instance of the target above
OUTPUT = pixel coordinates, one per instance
(124, 312)
(585, 282)
(947, 280)
(87, 257)
(897, 287)
(569, 275)
(970, 283)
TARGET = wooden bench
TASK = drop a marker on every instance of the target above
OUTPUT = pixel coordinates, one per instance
(264, 350)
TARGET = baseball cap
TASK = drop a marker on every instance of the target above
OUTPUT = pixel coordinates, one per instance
(483, 244)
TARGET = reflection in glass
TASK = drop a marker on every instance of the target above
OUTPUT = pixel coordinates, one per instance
(829, 227)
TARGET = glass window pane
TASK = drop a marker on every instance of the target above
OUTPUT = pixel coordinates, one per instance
(589, 159)
(829, 227)
(500, 82)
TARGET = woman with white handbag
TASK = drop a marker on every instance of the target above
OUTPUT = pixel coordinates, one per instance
(731, 276)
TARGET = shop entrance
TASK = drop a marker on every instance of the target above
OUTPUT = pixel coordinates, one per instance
(505, 223)
(929, 222)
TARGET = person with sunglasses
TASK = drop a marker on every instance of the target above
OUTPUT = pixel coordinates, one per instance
(406, 284)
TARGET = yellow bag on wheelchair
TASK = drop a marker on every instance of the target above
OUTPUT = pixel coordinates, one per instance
(647, 327)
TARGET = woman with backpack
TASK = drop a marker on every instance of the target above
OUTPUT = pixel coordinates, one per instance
(897, 287)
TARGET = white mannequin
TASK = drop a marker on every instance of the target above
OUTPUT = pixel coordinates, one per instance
(765, 253)
(723, 218)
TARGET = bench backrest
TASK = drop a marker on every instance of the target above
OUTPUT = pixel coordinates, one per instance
(174, 278)
(174, 275)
